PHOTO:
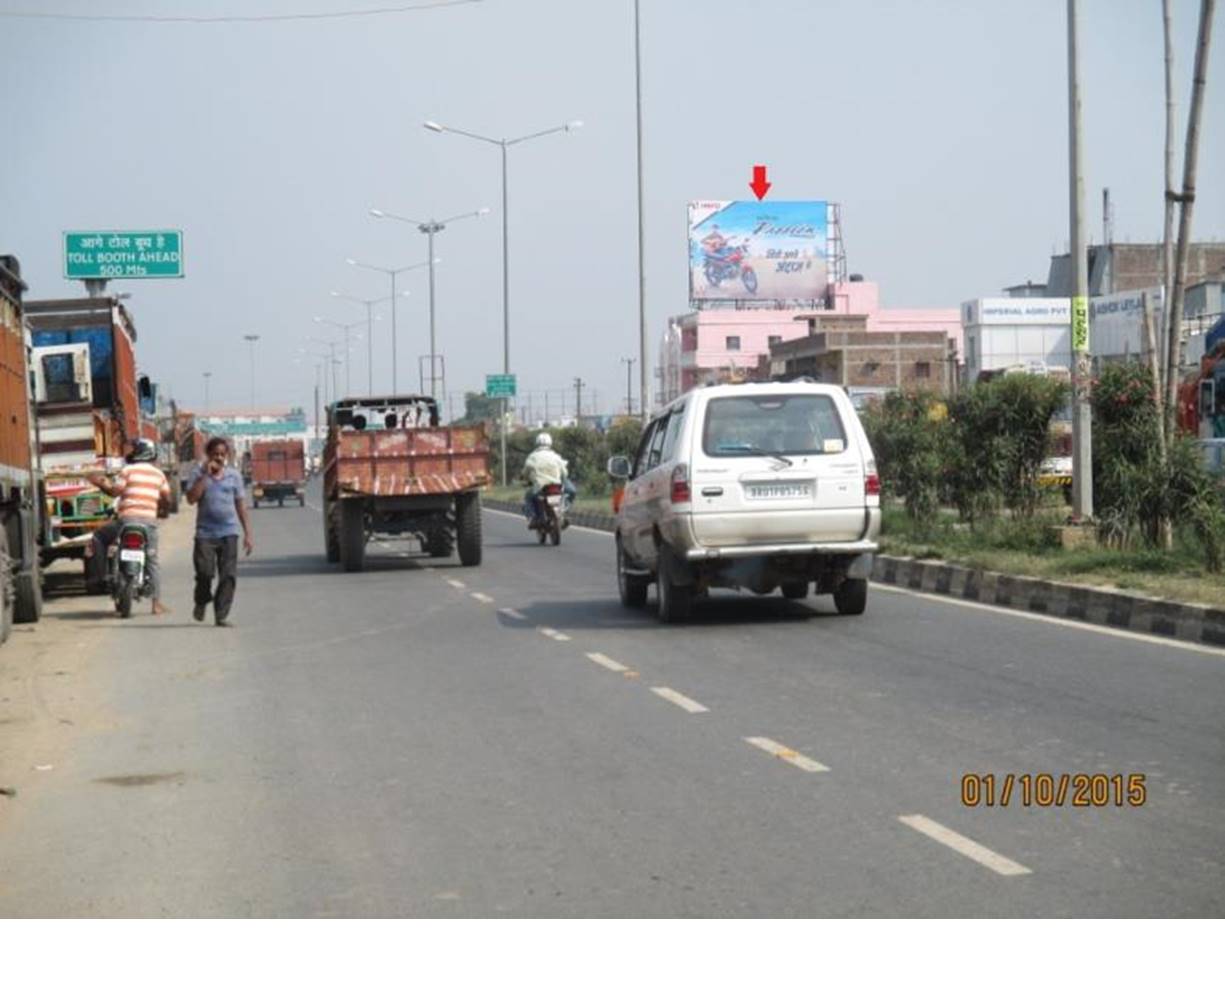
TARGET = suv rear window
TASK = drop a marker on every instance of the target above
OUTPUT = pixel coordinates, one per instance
(772, 424)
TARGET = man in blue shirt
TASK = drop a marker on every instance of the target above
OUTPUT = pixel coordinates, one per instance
(217, 491)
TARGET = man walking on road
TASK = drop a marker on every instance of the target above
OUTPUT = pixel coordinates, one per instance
(218, 491)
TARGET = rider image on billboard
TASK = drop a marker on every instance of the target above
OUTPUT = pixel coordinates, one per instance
(747, 250)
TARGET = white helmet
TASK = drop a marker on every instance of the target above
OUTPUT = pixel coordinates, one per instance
(544, 440)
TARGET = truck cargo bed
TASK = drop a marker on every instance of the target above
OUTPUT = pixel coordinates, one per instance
(429, 461)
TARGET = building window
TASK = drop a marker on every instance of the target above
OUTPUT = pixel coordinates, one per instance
(773, 340)
(733, 343)
(923, 370)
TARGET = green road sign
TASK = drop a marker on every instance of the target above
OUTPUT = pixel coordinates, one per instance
(123, 254)
(500, 385)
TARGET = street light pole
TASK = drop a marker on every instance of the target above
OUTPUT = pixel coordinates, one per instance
(505, 144)
(392, 272)
(642, 280)
(629, 370)
(251, 340)
(1082, 426)
(207, 374)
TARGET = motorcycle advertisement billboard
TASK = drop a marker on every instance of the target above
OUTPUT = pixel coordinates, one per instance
(747, 250)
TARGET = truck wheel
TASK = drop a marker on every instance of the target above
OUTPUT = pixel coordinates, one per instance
(468, 528)
(331, 540)
(301, 501)
(281, 501)
(632, 588)
(852, 596)
(28, 601)
(352, 535)
(6, 589)
(675, 600)
(438, 543)
(173, 506)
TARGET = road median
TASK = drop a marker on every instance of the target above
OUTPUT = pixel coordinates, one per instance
(1097, 605)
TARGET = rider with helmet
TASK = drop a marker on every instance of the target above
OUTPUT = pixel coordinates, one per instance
(139, 488)
(543, 467)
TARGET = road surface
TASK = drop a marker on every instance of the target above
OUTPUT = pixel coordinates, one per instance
(426, 740)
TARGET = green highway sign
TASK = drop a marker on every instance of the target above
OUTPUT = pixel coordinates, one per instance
(500, 385)
(123, 254)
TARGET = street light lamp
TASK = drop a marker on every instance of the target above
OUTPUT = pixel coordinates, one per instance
(370, 319)
(429, 228)
(347, 329)
(251, 340)
(505, 144)
(392, 272)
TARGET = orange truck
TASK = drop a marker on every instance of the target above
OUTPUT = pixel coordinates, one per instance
(389, 469)
(87, 410)
(22, 522)
(278, 471)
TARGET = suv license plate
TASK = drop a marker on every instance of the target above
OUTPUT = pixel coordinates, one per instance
(781, 490)
(126, 555)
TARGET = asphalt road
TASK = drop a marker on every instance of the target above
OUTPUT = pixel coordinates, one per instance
(426, 740)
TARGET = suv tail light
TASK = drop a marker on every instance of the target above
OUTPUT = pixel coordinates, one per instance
(871, 484)
(680, 483)
(133, 540)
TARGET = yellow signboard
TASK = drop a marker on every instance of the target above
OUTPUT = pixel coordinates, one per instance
(1080, 324)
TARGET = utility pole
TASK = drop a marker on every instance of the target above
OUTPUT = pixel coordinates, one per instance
(1082, 422)
(642, 280)
(207, 375)
(629, 397)
(251, 340)
(578, 398)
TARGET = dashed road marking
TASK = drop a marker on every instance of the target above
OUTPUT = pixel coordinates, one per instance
(512, 613)
(964, 845)
(482, 597)
(456, 584)
(680, 700)
(556, 635)
(600, 659)
(785, 753)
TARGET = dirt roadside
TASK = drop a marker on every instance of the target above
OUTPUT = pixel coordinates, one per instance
(50, 692)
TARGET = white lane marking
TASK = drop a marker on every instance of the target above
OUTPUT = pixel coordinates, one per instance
(512, 613)
(1189, 646)
(600, 659)
(964, 845)
(549, 632)
(456, 583)
(482, 597)
(785, 753)
(680, 700)
(572, 526)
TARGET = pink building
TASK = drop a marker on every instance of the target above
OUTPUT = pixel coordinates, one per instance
(735, 344)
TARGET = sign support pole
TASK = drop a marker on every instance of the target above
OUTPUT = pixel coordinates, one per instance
(1082, 420)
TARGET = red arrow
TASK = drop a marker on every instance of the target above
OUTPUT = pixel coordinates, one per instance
(759, 184)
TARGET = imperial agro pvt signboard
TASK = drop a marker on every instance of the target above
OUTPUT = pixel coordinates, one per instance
(123, 254)
(749, 250)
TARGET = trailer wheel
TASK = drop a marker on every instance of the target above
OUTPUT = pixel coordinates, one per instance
(28, 602)
(173, 507)
(6, 589)
(331, 540)
(438, 543)
(281, 501)
(301, 501)
(352, 535)
(468, 528)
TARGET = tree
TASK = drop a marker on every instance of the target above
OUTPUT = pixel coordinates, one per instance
(481, 408)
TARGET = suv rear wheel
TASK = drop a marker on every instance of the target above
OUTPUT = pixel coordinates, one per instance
(852, 596)
(675, 600)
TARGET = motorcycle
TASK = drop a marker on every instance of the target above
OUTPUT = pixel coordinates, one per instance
(128, 577)
(551, 514)
(728, 264)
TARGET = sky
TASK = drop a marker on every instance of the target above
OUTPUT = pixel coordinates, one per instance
(939, 127)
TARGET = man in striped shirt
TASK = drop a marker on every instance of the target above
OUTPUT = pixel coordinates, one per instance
(139, 487)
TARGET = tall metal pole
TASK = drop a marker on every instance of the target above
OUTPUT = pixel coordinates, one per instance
(394, 363)
(1082, 426)
(251, 340)
(370, 347)
(429, 234)
(206, 377)
(505, 302)
(642, 282)
(629, 393)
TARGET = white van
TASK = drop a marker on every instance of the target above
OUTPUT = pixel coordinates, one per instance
(757, 486)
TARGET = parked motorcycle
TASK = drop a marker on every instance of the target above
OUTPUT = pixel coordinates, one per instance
(729, 264)
(128, 576)
(551, 514)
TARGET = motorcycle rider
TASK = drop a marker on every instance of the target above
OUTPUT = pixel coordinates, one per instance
(714, 243)
(139, 487)
(543, 467)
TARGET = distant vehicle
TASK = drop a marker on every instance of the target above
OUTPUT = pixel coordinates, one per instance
(390, 469)
(23, 516)
(278, 471)
(757, 486)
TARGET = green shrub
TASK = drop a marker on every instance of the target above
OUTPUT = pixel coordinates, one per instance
(905, 430)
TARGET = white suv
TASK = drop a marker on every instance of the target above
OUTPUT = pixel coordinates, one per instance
(756, 486)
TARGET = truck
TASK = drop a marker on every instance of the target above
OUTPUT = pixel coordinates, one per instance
(278, 471)
(87, 411)
(389, 469)
(21, 498)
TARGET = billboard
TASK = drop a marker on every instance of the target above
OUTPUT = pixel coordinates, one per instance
(749, 250)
